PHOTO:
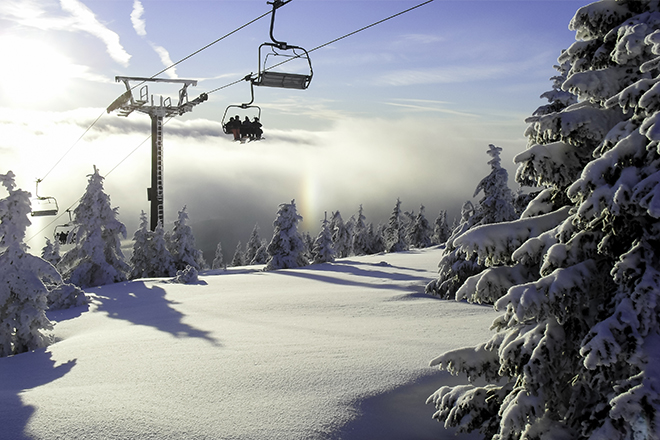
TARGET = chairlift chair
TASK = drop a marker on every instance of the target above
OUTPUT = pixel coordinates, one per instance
(270, 78)
(244, 106)
(43, 205)
(65, 233)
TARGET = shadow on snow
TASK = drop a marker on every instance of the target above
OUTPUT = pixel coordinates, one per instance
(403, 414)
(368, 278)
(140, 304)
(20, 373)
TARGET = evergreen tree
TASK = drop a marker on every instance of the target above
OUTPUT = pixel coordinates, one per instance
(23, 294)
(341, 237)
(495, 206)
(419, 235)
(181, 244)
(395, 234)
(323, 250)
(575, 350)
(309, 245)
(239, 257)
(64, 296)
(252, 246)
(96, 258)
(141, 259)
(219, 260)
(261, 257)
(286, 248)
(162, 262)
(361, 238)
(497, 202)
(150, 258)
(51, 252)
(377, 238)
(408, 220)
(440, 228)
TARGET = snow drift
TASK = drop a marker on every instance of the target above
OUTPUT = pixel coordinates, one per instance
(331, 351)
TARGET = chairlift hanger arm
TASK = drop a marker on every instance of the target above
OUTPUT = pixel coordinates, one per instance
(277, 4)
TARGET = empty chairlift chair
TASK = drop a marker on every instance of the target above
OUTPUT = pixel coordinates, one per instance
(43, 205)
(268, 77)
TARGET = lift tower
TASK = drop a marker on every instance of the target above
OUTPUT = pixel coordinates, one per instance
(157, 110)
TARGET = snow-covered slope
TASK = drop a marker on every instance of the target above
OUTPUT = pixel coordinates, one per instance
(332, 351)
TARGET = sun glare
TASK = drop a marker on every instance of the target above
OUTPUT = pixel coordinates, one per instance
(33, 72)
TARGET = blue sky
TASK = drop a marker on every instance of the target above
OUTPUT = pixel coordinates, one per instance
(404, 109)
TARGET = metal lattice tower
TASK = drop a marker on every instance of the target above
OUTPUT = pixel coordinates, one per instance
(127, 104)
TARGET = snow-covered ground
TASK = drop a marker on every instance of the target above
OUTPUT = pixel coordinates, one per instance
(331, 351)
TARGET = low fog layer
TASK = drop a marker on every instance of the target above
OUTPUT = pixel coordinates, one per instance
(228, 187)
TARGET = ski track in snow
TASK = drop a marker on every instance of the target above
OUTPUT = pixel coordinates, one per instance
(332, 351)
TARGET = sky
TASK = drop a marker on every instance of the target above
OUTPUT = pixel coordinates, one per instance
(405, 109)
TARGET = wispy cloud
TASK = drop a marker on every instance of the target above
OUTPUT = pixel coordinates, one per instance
(424, 105)
(164, 56)
(41, 15)
(139, 24)
(86, 21)
(461, 73)
(420, 39)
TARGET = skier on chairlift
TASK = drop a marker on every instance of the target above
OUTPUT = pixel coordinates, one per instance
(256, 129)
(234, 125)
(246, 128)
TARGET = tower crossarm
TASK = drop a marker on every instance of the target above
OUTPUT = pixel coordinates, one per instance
(126, 103)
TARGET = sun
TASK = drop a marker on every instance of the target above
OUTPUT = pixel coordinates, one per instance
(33, 72)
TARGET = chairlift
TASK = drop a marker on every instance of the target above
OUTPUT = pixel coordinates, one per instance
(287, 80)
(65, 233)
(43, 205)
(241, 110)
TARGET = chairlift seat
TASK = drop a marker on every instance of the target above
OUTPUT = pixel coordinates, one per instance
(44, 206)
(44, 212)
(283, 80)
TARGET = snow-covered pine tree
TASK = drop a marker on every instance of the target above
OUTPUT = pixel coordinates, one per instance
(495, 206)
(261, 257)
(219, 260)
(141, 257)
(407, 220)
(575, 354)
(239, 256)
(440, 228)
(309, 245)
(286, 249)
(51, 252)
(252, 246)
(23, 295)
(150, 258)
(323, 250)
(395, 234)
(341, 237)
(419, 235)
(497, 202)
(377, 238)
(96, 258)
(162, 263)
(181, 244)
(361, 237)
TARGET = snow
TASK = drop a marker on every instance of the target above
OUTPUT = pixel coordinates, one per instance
(331, 351)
